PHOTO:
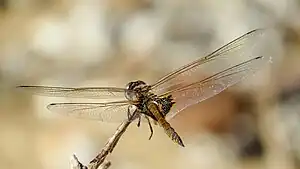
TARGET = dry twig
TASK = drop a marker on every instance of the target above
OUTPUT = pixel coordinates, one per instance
(99, 161)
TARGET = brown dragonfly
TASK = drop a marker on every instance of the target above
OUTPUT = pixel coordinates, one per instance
(174, 92)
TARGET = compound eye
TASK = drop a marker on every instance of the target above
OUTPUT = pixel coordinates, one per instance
(128, 86)
(139, 82)
(131, 95)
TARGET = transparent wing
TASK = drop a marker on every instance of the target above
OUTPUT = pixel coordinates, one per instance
(86, 92)
(190, 94)
(247, 46)
(107, 112)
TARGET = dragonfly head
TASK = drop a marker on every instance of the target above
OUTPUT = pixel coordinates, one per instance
(135, 89)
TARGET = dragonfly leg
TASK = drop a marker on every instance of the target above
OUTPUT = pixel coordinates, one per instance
(150, 126)
(132, 113)
(128, 115)
(139, 122)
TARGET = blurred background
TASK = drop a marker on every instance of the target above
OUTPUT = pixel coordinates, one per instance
(75, 43)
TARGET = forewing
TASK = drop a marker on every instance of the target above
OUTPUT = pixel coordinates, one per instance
(190, 94)
(248, 46)
(107, 112)
(86, 92)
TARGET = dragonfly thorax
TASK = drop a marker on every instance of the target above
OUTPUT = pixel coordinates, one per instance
(136, 89)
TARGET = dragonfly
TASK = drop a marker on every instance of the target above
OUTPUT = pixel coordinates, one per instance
(159, 102)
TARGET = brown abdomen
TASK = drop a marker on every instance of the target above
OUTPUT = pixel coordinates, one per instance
(153, 108)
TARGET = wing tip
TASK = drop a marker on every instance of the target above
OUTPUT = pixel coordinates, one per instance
(22, 86)
(26, 87)
(49, 106)
(257, 30)
(267, 59)
(258, 57)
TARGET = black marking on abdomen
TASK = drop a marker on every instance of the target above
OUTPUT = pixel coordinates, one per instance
(165, 104)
